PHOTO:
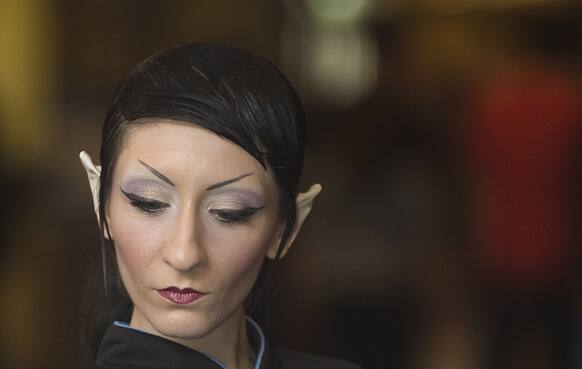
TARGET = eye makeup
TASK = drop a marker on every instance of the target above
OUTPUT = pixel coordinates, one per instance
(148, 195)
(144, 204)
(226, 205)
(234, 216)
(148, 188)
(241, 197)
(235, 205)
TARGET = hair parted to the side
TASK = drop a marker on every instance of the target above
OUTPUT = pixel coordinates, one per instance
(229, 91)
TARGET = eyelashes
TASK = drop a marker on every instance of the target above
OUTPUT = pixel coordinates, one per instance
(145, 205)
(229, 216)
(225, 216)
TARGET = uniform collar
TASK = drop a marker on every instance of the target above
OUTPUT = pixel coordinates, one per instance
(124, 346)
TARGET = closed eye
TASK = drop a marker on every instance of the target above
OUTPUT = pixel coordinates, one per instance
(145, 205)
(232, 216)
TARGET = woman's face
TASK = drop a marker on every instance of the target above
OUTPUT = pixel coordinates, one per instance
(188, 209)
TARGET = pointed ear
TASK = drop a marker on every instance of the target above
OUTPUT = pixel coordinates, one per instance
(93, 173)
(304, 202)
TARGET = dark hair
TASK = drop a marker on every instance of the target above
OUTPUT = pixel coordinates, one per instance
(238, 96)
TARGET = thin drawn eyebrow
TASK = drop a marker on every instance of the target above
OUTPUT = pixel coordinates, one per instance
(156, 173)
(227, 182)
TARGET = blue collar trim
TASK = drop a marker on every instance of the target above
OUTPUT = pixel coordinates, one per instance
(259, 331)
(251, 322)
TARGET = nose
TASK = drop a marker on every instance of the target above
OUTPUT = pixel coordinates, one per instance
(184, 251)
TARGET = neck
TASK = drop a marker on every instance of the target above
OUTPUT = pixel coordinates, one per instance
(229, 343)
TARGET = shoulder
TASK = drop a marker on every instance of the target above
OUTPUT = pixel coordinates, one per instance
(290, 359)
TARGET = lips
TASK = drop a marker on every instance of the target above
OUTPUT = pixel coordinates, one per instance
(180, 296)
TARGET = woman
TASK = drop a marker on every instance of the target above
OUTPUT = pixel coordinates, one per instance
(201, 156)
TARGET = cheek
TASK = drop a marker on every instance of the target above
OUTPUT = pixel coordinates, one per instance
(239, 253)
(137, 239)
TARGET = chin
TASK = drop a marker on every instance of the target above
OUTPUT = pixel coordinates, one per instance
(183, 325)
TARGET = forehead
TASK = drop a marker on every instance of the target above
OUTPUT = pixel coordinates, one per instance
(187, 150)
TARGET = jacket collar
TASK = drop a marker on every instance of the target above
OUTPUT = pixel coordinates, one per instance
(127, 347)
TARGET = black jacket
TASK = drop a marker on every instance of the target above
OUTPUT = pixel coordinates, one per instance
(124, 347)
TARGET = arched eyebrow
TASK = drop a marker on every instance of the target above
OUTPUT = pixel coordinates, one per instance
(157, 173)
(227, 182)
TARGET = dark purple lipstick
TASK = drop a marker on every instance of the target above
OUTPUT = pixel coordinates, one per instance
(180, 296)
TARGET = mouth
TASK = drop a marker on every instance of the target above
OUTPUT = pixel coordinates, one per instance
(181, 296)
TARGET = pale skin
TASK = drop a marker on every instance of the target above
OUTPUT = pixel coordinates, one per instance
(190, 209)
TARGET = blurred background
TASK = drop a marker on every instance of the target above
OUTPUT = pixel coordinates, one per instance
(446, 134)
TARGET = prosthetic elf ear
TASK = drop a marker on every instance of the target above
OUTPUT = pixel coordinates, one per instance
(304, 203)
(93, 172)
